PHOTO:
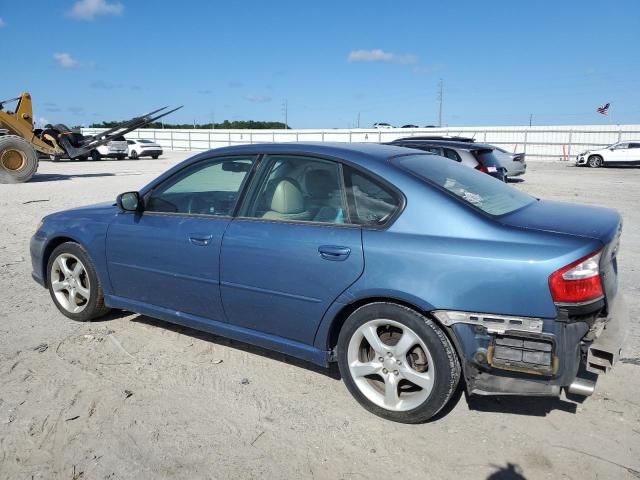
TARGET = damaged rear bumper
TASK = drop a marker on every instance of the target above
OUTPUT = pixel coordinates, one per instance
(506, 355)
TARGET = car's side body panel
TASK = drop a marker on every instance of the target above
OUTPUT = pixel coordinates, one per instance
(167, 260)
(275, 279)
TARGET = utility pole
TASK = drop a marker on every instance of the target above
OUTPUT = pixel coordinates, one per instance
(530, 118)
(358, 119)
(284, 112)
(440, 100)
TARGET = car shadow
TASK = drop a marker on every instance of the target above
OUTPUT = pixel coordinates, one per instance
(515, 180)
(331, 372)
(511, 471)
(53, 177)
(509, 404)
(519, 405)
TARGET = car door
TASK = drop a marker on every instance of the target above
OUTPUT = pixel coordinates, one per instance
(292, 250)
(633, 153)
(618, 153)
(168, 255)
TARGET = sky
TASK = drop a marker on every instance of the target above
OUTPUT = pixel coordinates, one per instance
(333, 63)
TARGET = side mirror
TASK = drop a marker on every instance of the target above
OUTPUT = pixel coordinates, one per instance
(129, 202)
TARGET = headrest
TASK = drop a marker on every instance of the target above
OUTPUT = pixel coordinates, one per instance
(319, 183)
(287, 197)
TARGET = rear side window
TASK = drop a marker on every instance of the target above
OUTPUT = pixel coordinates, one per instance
(452, 154)
(475, 188)
(371, 202)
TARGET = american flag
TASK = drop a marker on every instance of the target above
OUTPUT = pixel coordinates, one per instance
(604, 109)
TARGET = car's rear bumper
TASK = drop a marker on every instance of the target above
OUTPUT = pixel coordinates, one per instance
(562, 355)
(150, 153)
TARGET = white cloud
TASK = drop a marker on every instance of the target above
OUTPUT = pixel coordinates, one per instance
(378, 55)
(2, 23)
(65, 60)
(258, 98)
(89, 9)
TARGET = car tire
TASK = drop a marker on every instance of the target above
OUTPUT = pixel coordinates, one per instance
(133, 155)
(155, 157)
(384, 349)
(73, 283)
(595, 161)
(121, 157)
(95, 155)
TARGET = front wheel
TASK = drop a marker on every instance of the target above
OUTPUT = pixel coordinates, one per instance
(133, 155)
(73, 283)
(155, 157)
(95, 155)
(595, 161)
(397, 363)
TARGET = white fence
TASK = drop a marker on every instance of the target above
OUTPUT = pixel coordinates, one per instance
(543, 143)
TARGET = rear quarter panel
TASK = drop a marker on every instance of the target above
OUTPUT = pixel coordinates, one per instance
(441, 254)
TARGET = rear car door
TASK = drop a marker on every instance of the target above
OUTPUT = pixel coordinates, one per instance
(168, 255)
(292, 250)
(618, 154)
(634, 153)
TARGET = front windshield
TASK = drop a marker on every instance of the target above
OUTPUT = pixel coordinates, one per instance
(473, 187)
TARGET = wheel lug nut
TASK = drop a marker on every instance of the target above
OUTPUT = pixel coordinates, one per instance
(389, 354)
(398, 362)
(396, 372)
(380, 359)
(384, 370)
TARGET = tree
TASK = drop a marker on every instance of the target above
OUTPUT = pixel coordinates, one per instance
(235, 124)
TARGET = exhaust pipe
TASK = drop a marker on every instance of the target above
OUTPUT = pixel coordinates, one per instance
(582, 386)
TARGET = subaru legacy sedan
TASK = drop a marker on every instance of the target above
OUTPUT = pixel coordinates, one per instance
(411, 271)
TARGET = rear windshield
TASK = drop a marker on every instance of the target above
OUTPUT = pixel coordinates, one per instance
(144, 141)
(475, 188)
(487, 158)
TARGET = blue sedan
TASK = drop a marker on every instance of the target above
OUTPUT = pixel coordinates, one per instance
(410, 271)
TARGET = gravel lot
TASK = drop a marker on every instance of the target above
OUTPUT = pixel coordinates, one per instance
(132, 397)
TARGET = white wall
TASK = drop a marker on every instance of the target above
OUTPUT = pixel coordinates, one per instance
(543, 143)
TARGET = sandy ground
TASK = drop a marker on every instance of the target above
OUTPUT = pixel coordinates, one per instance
(132, 397)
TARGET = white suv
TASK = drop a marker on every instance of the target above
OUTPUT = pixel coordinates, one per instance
(140, 147)
(116, 148)
(622, 153)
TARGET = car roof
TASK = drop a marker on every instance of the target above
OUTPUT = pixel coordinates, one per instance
(355, 152)
(445, 143)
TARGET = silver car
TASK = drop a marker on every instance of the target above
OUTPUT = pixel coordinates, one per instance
(513, 162)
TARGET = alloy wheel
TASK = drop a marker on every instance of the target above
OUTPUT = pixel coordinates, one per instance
(70, 283)
(391, 365)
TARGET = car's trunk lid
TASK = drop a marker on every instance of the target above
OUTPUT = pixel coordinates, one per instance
(602, 224)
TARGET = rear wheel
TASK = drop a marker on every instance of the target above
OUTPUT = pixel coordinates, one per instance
(18, 159)
(155, 157)
(73, 283)
(133, 155)
(397, 363)
(121, 157)
(95, 155)
(595, 161)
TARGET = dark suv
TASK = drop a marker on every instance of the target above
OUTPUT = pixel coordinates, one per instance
(474, 155)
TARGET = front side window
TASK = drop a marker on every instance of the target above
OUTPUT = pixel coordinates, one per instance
(621, 146)
(210, 187)
(373, 203)
(300, 189)
(475, 188)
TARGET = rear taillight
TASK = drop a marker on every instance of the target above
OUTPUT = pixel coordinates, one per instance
(482, 168)
(578, 282)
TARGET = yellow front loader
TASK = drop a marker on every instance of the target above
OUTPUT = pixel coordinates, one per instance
(20, 142)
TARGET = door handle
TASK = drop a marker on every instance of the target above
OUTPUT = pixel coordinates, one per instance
(334, 253)
(200, 240)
